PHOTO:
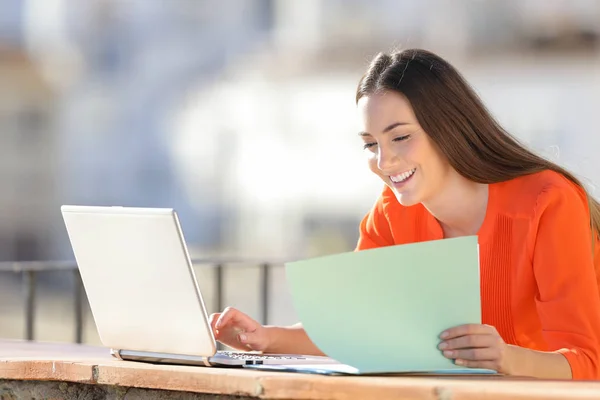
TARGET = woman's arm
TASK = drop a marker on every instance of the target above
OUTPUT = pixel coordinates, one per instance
(481, 346)
(537, 364)
(567, 299)
(237, 330)
(291, 339)
(374, 229)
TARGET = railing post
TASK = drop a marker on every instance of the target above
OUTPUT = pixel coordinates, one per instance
(219, 293)
(29, 271)
(219, 287)
(78, 305)
(29, 294)
(264, 292)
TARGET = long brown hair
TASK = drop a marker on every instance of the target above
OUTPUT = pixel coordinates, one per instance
(456, 120)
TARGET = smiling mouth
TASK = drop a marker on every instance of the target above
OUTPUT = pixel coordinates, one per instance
(403, 176)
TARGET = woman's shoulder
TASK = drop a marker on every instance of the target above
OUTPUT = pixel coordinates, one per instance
(543, 181)
(530, 191)
(387, 207)
(389, 203)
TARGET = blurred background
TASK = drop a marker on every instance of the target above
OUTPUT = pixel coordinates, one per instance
(240, 115)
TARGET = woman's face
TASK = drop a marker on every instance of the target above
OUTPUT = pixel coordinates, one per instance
(398, 150)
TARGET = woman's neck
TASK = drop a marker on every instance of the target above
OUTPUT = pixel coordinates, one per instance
(460, 207)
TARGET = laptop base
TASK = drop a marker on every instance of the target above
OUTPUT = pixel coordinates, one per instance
(220, 359)
(178, 359)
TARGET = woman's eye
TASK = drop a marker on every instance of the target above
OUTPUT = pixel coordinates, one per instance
(401, 138)
(398, 139)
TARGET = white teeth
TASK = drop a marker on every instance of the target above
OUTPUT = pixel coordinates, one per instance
(403, 176)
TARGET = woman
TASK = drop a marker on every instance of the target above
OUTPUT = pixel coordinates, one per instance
(450, 170)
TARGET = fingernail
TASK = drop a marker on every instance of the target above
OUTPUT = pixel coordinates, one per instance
(448, 353)
(443, 345)
(458, 362)
(242, 337)
(444, 335)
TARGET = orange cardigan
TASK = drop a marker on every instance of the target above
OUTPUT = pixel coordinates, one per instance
(539, 278)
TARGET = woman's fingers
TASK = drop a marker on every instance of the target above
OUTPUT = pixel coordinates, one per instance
(253, 340)
(493, 365)
(212, 319)
(468, 329)
(478, 354)
(236, 329)
(469, 341)
(233, 317)
(474, 346)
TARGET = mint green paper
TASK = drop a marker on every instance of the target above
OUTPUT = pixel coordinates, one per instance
(382, 310)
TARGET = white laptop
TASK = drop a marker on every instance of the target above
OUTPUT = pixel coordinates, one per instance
(143, 292)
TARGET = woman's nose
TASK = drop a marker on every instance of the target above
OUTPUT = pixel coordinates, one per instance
(386, 160)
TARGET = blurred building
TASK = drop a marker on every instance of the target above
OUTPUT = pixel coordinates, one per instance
(159, 103)
(240, 114)
(28, 161)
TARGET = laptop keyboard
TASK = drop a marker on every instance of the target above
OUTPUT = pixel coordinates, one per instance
(254, 356)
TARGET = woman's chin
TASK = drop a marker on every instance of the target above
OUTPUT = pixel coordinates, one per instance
(406, 198)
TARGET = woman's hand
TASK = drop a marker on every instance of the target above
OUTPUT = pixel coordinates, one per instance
(235, 329)
(476, 346)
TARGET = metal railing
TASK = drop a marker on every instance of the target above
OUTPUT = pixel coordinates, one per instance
(29, 271)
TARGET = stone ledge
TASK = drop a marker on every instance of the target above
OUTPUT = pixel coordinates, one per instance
(208, 380)
(47, 370)
(10, 390)
(91, 371)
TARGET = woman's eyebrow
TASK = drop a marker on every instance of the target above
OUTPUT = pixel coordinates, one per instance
(389, 128)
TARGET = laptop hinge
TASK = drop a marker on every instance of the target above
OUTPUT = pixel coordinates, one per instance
(160, 358)
(116, 354)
